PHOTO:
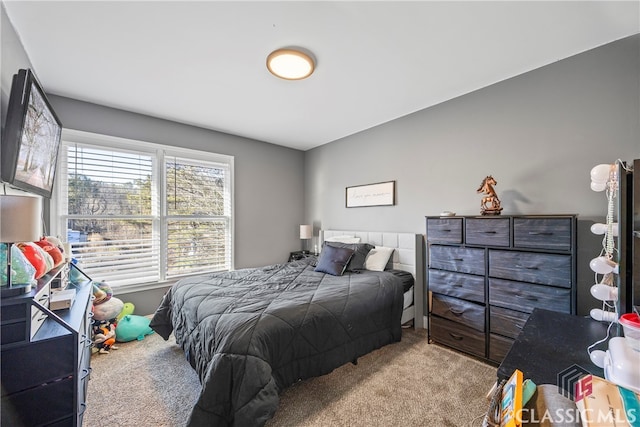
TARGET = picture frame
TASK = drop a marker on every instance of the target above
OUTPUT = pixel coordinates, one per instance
(377, 194)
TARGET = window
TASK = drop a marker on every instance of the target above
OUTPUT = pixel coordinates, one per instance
(144, 215)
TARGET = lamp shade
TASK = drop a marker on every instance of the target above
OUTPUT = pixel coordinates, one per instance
(306, 232)
(20, 218)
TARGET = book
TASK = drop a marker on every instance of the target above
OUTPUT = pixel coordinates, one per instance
(511, 404)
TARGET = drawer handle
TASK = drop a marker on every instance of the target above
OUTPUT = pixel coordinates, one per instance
(527, 297)
(84, 408)
(490, 232)
(458, 259)
(456, 312)
(540, 233)
(456, 337)
(86, 374)
(446, 230)
(527, 267)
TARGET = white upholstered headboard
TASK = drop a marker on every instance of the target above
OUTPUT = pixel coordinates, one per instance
(408, 256)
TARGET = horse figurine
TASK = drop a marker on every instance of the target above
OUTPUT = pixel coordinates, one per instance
(487, 188)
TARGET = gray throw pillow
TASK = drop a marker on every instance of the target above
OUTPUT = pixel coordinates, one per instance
(360, 251)
(333, 260)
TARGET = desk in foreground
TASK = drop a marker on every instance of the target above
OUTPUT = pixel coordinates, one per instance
(552, 344)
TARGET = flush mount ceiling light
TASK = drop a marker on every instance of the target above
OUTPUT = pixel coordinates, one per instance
(290, 64)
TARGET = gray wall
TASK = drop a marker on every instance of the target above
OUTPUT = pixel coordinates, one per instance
(539, 134)
(12, 58)
(269, 179)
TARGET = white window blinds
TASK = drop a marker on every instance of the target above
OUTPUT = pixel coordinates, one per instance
(145, 216)
(198, 207)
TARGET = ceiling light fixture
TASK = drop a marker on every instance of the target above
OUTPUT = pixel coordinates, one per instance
(290, 64)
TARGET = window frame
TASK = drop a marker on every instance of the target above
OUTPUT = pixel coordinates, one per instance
(161, 153)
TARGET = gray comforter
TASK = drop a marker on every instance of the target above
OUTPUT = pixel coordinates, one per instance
(250, 333)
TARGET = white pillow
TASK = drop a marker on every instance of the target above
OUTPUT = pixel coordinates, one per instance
(343, 239)
(377, 258)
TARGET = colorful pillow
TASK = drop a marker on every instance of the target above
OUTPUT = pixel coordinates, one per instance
(333, 260)
(377, 258)
(360, 251)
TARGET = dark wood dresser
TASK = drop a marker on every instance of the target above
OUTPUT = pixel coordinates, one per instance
(46, 354)
(486, 274)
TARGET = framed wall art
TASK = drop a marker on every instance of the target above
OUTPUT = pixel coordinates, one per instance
(378, 194)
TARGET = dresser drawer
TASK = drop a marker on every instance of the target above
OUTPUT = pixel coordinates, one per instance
(454, 258)
(447, 230)
(39, 405)
(11, 312)
(21, 369)
(459, 285)
(499, 347)
(526, 296)
(457, 336)
(506, 322)
(13, 332)
(546, 269)
(487, 232)
(457, 310)
(542, 233)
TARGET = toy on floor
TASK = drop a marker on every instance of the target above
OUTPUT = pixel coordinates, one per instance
(108, 310)
(127, 309)
(132, 327)
(102, 292)
(104, 336)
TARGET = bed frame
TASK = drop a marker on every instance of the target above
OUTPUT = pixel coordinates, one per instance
(407, 256)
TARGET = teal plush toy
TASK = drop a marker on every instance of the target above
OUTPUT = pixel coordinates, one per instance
(132, 327)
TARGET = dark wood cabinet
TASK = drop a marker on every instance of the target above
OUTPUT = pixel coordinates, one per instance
(46, 354)
(487, 274)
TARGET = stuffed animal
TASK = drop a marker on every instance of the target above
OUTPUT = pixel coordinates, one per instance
(52, 250)
(37, 257)
(127, 309)
(132, 327)
(108, 310)
(102, 292)
(22, 271)
(104, 336)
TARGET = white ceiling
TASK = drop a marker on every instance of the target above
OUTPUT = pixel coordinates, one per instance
(203, 63)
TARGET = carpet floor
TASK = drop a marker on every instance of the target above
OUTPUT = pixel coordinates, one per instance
(409, 383)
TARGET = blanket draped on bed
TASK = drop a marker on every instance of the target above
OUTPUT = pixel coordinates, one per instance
(250, 333)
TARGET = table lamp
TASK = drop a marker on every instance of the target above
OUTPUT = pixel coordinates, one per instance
(306, 233)
(20, 221)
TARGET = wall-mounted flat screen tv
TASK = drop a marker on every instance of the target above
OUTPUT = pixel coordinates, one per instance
(31, 137)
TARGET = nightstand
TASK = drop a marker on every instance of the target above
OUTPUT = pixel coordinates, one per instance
(296, 255)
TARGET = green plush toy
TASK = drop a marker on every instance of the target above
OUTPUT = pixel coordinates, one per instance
(127, 309)
(132, 327)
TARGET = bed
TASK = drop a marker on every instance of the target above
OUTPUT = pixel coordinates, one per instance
(250, 333)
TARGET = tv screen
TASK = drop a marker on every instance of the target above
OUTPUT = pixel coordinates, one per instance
(31, 138)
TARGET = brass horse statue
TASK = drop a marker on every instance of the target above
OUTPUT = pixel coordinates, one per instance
(491, 197)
